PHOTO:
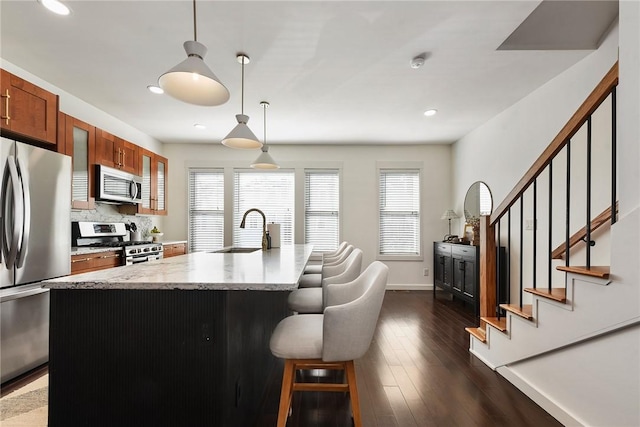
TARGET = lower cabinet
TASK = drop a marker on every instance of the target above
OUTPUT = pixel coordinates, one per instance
(174, 249)
(96, 261)
(457, 270)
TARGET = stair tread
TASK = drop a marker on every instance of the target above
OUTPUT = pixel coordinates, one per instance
(498, 323)
(556, 294)
(478, 333)
(526, 311)
(601, 271)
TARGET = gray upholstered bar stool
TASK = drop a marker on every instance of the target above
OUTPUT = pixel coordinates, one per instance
(310, 300)
(328, 258)
(332, 340)
(314, 280)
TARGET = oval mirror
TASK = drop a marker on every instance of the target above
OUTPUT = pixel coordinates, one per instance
(478, 201)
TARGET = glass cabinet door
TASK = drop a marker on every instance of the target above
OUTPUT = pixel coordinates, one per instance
(79, 143)
(80, 182)
(146, 182)
(161, 203)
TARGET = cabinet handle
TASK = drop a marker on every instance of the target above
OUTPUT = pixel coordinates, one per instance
(6, 97)
(80, 260)
(123, 158)
(111, 256)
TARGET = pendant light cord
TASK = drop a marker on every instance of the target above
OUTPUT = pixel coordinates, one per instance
(195, 32)
(264, 106)
(242, 88)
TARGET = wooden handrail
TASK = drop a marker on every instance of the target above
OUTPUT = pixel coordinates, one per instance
(597, 222)
(593, 101)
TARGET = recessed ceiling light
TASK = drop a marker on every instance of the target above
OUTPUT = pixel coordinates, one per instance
(56, 6)
(199, 126)
(430, 113)
(155, 89)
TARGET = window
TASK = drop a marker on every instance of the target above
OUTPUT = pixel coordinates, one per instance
(399, 212)
(321, 208)
(273, 193)
(206, 209)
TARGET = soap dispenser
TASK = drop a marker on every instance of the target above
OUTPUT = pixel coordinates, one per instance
(268, 240)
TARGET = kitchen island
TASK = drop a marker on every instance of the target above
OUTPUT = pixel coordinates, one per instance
(181, 341)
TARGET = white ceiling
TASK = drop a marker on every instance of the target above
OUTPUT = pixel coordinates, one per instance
(334, 72)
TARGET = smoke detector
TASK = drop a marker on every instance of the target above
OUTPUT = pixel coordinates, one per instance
(418, 61)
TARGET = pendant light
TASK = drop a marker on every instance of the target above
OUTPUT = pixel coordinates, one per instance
(241, 136)
(192, 81)
(264, 160)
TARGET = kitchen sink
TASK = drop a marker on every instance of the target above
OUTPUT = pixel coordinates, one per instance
(235, 250)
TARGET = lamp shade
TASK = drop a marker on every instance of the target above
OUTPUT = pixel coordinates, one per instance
(241, 136)
(449, 214)
(192, 81)
(264, 160)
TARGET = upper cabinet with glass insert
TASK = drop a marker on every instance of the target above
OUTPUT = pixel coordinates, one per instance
(78, 139)
(153, 169)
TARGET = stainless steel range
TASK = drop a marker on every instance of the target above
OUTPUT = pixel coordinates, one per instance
(114, 235)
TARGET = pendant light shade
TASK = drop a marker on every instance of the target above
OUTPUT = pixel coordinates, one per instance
(241, 136)
(192, 81)
(264, 160)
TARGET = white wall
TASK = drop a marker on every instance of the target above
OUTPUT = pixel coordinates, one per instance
(594, 383)
(359, 191)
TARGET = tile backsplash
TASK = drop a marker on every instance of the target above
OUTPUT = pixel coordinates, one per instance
(105, 212)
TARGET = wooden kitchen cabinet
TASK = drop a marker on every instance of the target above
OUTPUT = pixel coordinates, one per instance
(153, 169)
(95, 261)
(174, 249)
(27, 111)
(115, 152)
(78, 140)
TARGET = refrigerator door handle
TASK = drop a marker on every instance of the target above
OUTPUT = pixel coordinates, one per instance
(11, 174)
(26, 207)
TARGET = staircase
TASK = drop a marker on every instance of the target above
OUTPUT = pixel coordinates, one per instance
(558, 279)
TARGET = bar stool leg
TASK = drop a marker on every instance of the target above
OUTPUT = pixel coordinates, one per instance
(353, 392)
(286, 392)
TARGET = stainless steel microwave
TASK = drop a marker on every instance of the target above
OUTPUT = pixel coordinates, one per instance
(116, 186)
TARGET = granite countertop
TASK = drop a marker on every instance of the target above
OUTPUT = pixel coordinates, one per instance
(172, 242)
(273, 270)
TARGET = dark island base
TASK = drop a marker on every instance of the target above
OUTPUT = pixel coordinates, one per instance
(160, 358)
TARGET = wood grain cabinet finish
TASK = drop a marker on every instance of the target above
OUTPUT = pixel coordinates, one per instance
(117, 153)
(96, 261)
(78, 140)
(27, 111)
(154, 170)
(174, 249)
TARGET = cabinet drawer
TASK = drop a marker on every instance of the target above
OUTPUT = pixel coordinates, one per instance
(95, 261)
(442, 248)
(174, 249)
(463, 251)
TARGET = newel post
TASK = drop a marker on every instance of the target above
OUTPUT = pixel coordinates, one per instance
(487, 268)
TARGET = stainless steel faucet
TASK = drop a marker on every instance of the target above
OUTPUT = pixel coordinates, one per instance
(264, 225)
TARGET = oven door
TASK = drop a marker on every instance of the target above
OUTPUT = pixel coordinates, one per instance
(138, 258)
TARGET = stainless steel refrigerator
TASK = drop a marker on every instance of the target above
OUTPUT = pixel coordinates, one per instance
(35, 244)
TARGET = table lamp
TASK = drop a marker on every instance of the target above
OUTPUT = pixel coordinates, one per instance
(449, 214)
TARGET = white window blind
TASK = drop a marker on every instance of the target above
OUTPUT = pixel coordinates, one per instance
(321, 209)
(273, 193)
(206, 209)
(399, 212)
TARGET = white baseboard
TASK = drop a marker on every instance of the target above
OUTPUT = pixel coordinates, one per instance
(409, 287)
(543, 401)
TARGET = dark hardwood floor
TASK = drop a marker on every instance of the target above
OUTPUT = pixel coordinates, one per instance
(417, 372)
